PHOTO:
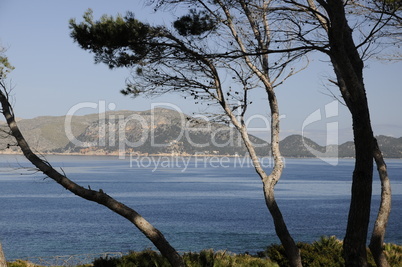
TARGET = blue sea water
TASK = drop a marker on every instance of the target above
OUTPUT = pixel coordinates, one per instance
(210, 203)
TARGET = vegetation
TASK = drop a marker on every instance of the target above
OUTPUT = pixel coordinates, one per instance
(327, 251)
(181, 60)
(21, 263)
(205, 258)
(257, 52)
(99, 196)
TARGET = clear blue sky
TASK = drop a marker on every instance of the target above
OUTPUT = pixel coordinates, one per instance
(53, 74)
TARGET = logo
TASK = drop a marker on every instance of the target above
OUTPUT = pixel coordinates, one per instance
(330, 111)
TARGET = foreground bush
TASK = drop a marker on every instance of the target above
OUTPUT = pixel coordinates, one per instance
(146, 258)
(206, 258)
(20, 263)
(327, 252)
(209, 258)
(394, 254)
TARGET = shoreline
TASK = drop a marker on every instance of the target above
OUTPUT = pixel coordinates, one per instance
(163, 155)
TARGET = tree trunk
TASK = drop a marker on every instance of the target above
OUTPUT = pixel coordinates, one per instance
(359, 212)
(291, 249)
(269, 181)
(377, 237)
(3, 262)
(100, 197)
(348, 67)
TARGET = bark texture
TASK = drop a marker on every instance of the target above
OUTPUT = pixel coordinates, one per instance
(348, 67)
(3, 262)
(291, 249)
(269, 181)
(377, 237)
(100, 197)
(262, 72)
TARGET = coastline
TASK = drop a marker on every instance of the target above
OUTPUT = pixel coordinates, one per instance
(116, 153)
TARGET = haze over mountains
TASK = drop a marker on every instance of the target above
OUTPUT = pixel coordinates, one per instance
(162, 131)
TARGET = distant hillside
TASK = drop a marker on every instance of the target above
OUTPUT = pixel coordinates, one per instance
(47, 133)
(391, 147)
(293, 146)
(146, 132)
(163, 131)
(160, 131)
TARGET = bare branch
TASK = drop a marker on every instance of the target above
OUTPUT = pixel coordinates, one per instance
(97, 196)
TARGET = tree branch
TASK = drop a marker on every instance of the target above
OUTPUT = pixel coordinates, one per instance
(99, 197)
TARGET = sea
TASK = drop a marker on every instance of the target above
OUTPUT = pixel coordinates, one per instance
(196, 202)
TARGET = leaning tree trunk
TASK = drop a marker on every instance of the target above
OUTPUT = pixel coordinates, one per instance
(269, 182)
(100, 197)
(291, 249)
(3, 262)
(377, 237)
(348, 67)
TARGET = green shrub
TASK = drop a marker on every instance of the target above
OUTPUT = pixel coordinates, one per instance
(223, 259)
(21, 263)
(325, 252)
(394, 254)
(146, 258)
(106, 262)
(328, 252)
(276, 253)
(243, 260)
(206, 258)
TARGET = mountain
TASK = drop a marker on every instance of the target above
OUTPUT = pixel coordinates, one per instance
(391, 147)
(45, 134)
(162, 131)
(297, 146)
(158, 131)
(347, 150)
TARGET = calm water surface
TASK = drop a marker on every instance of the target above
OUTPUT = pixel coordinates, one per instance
(197, 207)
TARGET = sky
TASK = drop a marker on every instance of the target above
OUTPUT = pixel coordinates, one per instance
(53, 76)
